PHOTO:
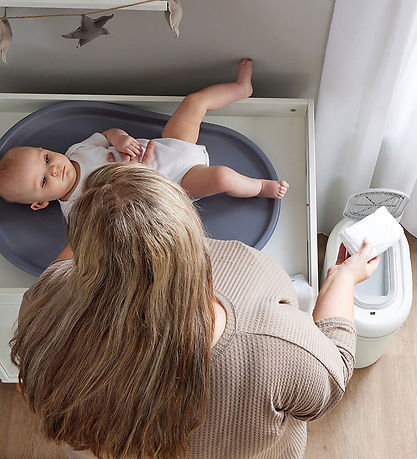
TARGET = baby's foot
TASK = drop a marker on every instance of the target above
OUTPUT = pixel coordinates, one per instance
(273, 189)
(244, 75)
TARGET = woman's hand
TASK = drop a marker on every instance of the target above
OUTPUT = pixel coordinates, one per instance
(336, 296)
(356, 266)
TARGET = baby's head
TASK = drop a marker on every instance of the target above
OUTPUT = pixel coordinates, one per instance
(35, 176)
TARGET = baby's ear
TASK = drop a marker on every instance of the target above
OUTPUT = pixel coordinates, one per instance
(39, 205)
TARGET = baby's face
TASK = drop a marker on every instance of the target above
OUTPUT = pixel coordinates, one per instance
(44, 175)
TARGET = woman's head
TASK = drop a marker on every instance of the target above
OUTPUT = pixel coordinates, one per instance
(133, 220)
(130, 330)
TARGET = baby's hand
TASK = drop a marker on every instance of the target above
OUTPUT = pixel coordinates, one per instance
(126, 145)
(145, 159)
(124, 158)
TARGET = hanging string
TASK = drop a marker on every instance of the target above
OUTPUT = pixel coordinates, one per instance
(77, 14)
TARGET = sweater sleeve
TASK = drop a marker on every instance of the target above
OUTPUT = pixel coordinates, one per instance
(316, 375)
(343, 335)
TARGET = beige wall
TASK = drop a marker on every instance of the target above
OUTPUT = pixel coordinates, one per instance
(287, 39)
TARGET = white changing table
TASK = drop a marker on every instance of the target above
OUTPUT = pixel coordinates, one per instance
(282, 128)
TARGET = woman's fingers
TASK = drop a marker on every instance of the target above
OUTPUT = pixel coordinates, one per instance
(373, 265)
(374, 261)
(366, 249)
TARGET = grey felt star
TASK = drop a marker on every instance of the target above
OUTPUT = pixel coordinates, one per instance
(89, 29)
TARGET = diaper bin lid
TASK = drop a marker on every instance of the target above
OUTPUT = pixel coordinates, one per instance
(362, 204)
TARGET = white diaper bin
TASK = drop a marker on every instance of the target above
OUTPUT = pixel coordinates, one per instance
(382, 302)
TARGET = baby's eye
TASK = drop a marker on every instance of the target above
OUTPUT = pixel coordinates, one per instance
(46, 160)
(43, 182)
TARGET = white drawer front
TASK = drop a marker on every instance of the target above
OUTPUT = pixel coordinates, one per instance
(9, 311)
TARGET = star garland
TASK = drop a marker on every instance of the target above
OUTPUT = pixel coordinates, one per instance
(89, 28)
(79, 14)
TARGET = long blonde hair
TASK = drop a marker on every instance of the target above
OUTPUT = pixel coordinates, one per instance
(114, 354)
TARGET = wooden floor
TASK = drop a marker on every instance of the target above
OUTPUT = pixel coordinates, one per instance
(376, 419)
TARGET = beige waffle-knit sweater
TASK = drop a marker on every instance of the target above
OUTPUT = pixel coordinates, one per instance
(272, 369)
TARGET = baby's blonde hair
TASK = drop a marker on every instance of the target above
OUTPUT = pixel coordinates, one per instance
(114, 351)
(9, 167)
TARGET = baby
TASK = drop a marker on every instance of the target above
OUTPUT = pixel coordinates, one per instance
(37, 176)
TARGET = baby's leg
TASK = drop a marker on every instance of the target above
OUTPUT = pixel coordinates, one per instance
(184, 124)
(201, 181)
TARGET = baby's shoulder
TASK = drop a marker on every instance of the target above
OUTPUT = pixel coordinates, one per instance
(96, 140)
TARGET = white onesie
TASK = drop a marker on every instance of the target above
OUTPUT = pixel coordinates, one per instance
(172, 157)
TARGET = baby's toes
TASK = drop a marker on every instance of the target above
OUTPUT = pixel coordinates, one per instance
(281, 191)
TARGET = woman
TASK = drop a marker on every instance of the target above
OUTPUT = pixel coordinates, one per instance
(156, 342)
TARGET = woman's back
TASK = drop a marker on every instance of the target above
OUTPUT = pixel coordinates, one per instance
(132, 316)
(273, 368)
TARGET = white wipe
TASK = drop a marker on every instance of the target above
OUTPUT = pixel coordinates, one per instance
(380, 228)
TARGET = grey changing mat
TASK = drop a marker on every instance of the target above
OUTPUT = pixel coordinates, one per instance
(32, 239)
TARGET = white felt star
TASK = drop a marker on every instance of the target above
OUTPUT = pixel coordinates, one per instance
(5, 38)
(174, 15)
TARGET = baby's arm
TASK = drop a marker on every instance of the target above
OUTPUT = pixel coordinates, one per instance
(123, 142)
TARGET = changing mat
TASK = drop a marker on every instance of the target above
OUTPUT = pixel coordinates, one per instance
(32, 239)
